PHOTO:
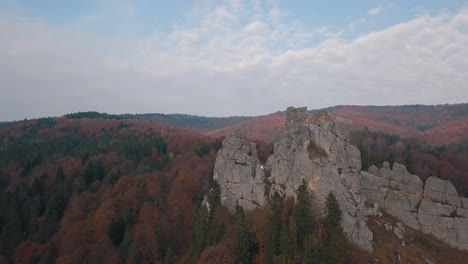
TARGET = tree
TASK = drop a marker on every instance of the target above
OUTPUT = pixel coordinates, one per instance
(408, 159)
(273, 227)
(288, 240)
(304, 218)
(200, 228)
(214, 198)
(242, 242)
(116, 230)
(49, 257)
(335, 239)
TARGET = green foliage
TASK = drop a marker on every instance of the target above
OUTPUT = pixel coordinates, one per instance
(288, 241)
(408, 160)
(218, 144)
(335, 239)
(56, 205)
(116, 230)
(242, 238)
(193, 120)
(138, 146)
(93, 115)
(169, 257)
(49, 257)
(200, 230)
(201, 149)
(95, 171)
(304, 217)
(214, 198)
(273, 228)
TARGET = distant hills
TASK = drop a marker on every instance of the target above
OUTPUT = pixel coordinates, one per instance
(438, 124)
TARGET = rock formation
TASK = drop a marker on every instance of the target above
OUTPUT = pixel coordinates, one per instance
(239, 172)
(315, 149)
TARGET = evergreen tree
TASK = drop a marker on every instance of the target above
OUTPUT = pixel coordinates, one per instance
(49, 257)
(200, 230)
(304, 218)
(335, 239)
(116, 230)
(214, 198)
(287, 240)
(408, 159)
(169, 256)
(273, 227)
(242, 242)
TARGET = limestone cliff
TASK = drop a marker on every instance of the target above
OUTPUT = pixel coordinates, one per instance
(316, 149)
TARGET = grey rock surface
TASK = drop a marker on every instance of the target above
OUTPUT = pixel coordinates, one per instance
(239, 173)
(315, 149)
(442, 215)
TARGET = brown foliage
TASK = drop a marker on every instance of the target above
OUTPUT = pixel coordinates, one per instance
(220, 253)
(29, 251)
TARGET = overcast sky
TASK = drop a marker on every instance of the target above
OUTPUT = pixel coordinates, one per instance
(235, 57)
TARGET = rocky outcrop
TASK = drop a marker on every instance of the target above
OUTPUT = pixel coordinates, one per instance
(395, 190)
(239, 172)
(315, 152)
(315, 149)
(433, 208)
(442, 213)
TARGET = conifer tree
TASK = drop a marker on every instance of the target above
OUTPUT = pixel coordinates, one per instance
(200, 228)
(214, 198)
(335, 239)
(304, 218)
(242, 242)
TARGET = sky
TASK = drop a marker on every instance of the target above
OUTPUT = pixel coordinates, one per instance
(224, 58)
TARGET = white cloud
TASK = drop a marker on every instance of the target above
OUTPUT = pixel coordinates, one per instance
(374, 11)
(222, 66)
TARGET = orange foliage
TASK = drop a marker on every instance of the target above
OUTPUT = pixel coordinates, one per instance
(258, 221)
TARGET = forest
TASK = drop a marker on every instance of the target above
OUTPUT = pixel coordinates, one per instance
(89, 188)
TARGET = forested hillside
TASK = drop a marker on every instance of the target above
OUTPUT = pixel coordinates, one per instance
(98, 188)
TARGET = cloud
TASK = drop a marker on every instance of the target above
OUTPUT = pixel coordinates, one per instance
(374, 11)
(233, 61)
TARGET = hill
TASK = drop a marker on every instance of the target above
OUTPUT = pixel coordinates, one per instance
(193, 122)
(99, 188)
(438, 124)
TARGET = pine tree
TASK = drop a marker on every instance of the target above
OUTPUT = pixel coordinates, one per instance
(242, 242)
(273, 228)
(304, 218)
(49, 257)
(287, 240)
(200, 228)
(214, 198)
(335, 239)
(408, 159)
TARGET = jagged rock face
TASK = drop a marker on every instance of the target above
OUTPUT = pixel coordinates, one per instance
(320, 154)
(316, 153)
(434, 209)
(313, 152)
(442, 213)
(395, 190)
(239, 173)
